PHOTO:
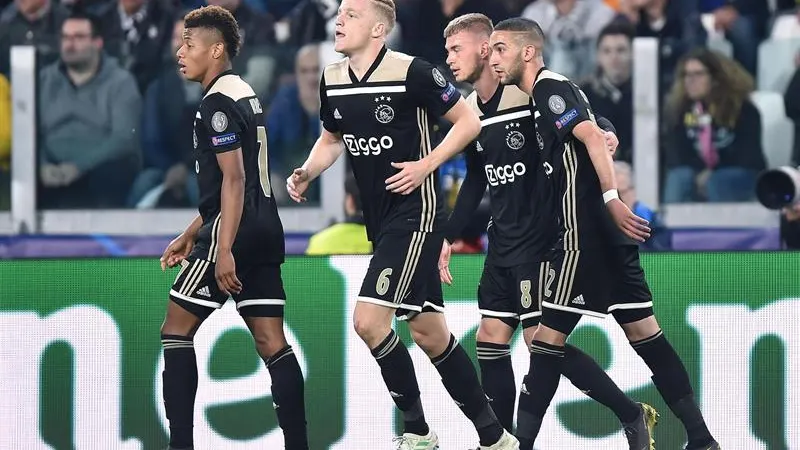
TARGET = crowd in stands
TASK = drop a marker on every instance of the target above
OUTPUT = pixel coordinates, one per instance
(115, 117)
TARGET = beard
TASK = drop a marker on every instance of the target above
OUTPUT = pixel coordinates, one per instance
(475, 75)
(514, 73)
(78, 63)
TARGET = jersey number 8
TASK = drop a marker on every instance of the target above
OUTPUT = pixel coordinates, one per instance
(263, 161)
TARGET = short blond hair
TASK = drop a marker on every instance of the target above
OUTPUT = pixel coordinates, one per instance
(474, 22)
(387, 11)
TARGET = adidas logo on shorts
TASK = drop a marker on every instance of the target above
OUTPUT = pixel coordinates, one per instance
(578, 300)
(336, 114)
(204, 291)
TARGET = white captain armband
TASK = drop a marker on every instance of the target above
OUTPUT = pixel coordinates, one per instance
(609, 195)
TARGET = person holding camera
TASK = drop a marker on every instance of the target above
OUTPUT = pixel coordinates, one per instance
(790, 227)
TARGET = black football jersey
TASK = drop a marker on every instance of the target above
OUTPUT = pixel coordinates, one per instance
(387, 117)
(560, 105)
(230, 117)
(507, 154)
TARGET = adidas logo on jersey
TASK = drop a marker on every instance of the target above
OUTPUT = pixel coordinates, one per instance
(336, 114)
(578, 300)
(478, 147)
(204, 291)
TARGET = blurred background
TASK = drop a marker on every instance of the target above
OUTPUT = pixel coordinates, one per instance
(95, 120)
(96, 176)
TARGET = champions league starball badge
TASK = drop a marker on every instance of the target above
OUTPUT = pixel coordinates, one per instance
(557, 104)
(219, 121)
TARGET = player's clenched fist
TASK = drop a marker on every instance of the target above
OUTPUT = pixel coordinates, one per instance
(176, 251)
(297, 184)
(632, 225)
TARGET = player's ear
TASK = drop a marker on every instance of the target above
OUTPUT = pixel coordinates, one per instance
(379, 30)
(217, 50)
(529, 53)
(485, 51)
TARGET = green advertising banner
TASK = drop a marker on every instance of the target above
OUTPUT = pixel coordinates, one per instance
(80, 358)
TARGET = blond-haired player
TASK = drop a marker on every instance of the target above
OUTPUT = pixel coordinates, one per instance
(380, 106)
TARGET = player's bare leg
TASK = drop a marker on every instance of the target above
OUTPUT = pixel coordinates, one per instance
(180, 373)
(497, 374)
(429, 330)
(287, 378)
(670, 378)
(373, 323)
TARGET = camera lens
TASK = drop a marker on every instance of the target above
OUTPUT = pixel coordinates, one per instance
(775, 189)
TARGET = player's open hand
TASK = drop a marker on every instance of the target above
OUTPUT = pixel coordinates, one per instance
(632, 225)
(612, 142)
(444, 264)
(176, 251)
(412, 174)
(225, 273)
(297, 184)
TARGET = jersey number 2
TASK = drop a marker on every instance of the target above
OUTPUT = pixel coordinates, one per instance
(263, 161)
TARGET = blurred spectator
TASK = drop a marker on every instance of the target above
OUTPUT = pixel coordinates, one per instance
(610, 91)
(659, 236)
(715, 150)
(790, 227)
(424, 20)
(791, 100)
(89, 109)
(31, 22)
(348, 237)
(293, 117)
(571, 28)
(744, 23)
(170, 105)
(255, 27)
(5, 143)
(677, 29)
(137, 32)
(306, 23)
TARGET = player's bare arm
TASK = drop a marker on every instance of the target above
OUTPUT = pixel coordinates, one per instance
(466, 126)
(326, 151)
(592, 137)
(232, 195)
(181, 246)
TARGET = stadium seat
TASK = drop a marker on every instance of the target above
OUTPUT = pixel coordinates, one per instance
(785, 26)
(777, 129)
(776, 63)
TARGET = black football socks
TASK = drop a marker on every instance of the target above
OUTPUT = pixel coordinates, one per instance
(401, 380)
(288, 397)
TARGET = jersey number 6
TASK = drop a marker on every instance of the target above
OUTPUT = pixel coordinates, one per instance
(382, 286)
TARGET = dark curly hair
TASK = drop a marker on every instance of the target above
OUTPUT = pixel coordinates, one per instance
(219, 19)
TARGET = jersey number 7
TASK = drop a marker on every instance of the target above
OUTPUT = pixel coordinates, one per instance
(263, 161)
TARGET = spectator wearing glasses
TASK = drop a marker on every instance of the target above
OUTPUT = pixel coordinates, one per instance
(89, 112)
(714, 151)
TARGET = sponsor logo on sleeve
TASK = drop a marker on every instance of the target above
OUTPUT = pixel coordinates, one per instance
(566, 118)
(225, 139)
